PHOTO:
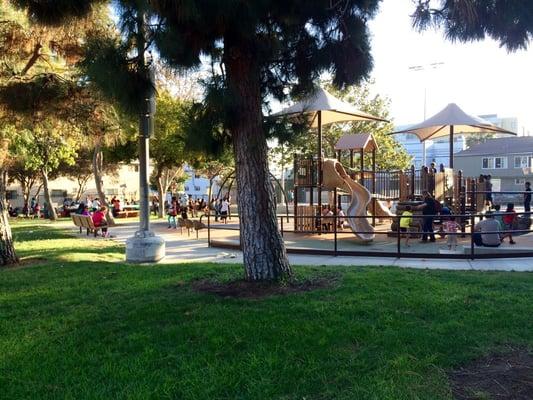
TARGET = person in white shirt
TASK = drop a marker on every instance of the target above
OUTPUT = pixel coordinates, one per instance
(224, 208)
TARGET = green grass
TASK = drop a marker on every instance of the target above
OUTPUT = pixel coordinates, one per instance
(77, 323)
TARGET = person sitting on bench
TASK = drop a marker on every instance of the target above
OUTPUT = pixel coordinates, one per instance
(486, 232)
(100, 221)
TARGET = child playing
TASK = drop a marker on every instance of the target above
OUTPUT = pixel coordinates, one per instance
(451, 227)
(405, 223)
(509, 220)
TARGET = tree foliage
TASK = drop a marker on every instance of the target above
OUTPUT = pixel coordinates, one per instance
(508, 22)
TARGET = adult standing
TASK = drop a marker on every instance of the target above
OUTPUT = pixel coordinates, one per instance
(527, 198)
(429, 210)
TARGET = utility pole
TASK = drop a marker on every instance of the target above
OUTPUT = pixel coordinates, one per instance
(425, 68)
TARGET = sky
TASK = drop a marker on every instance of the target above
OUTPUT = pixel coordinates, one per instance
(480, 77)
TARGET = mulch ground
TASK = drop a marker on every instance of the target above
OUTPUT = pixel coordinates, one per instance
(256, 290)
(503, 376)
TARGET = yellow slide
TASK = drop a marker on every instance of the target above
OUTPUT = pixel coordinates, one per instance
(334, 176)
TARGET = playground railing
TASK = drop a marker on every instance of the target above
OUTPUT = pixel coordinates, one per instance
(341, 242)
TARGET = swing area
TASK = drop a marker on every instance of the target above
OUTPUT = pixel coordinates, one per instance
(342, 208)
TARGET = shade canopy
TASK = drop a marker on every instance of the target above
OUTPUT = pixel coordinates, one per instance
(452, 115)
(331, 110)
(360, 141)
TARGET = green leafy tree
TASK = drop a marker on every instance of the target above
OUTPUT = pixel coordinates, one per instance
(26, 176)
(167, 149)
(40, 87)
(45, 150)
(214, 167)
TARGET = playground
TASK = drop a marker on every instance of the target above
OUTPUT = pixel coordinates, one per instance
(342, 208)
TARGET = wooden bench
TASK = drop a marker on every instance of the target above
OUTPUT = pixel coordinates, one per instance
(85, 221)
(127, 214)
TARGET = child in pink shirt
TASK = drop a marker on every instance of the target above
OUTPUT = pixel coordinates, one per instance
(451, 227)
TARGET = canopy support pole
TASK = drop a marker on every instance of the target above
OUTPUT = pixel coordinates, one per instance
(319, 167)
(451, 146)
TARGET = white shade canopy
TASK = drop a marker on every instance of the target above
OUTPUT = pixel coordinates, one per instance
(332, 110)
(452, 115)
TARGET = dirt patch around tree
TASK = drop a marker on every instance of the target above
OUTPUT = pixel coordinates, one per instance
(501, 376)
(242, 289)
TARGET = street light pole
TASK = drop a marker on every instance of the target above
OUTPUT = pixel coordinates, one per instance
(418, 68)
(145, 246)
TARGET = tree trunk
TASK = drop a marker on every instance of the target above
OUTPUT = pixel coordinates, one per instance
(8, 255)
(264, 253)
(98, 163)
(25, 191)
(50, 209)
(38, 191)
(82, 185)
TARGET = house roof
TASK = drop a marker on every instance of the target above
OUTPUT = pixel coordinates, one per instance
(360, 141)
(507, 145)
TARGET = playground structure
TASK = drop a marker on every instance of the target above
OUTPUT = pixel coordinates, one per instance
(323, 186)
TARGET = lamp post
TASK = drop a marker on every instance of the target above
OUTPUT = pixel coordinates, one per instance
(418, 68)
(145, 246)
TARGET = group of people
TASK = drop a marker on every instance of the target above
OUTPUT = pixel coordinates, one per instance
(98, 215)
(221, 207)
(327, 219)
(489, 232)
(496, 226)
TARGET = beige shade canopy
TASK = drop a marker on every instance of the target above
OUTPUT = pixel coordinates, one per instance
(332, 110)
(452, 120)
(452, 115)
(360, 141)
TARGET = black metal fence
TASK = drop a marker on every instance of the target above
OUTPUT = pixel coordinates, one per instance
(332, 245)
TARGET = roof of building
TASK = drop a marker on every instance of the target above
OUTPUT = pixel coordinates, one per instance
(506, 145)
(359, 141)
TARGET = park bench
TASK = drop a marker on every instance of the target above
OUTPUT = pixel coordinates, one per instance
(85, 221)
(191, 224)
(127, 214)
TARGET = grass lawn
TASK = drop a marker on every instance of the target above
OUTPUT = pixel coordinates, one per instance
(78, 323)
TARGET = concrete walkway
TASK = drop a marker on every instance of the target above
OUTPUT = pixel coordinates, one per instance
(181, 248)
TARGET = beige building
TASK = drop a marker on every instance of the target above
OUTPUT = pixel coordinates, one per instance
(125, 185)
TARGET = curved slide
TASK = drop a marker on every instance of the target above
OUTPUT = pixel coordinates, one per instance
(334, 176)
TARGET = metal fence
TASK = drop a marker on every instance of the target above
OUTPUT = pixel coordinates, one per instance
(334, 245)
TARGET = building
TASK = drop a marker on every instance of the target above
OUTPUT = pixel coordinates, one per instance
(437, 151)
(124, 184)
(197, 187)
(506, 159)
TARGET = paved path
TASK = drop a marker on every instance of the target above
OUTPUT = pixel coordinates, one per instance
(180, 249)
